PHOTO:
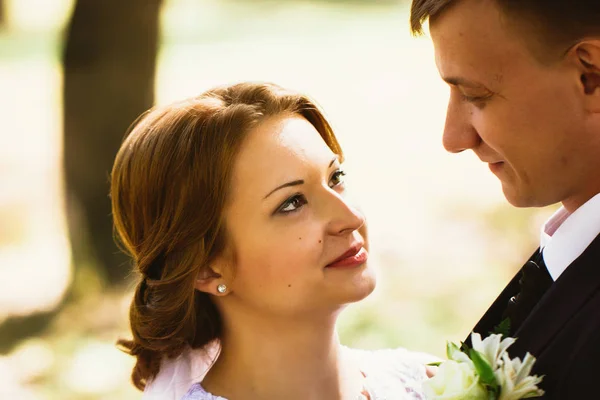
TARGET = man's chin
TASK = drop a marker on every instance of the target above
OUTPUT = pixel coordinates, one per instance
(524, 199)
(515, 196)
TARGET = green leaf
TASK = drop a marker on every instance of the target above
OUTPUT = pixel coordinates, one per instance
(493, 391)
(483, 368)
(464, 348)
(451, 348)
(503, 328)
(434, 364)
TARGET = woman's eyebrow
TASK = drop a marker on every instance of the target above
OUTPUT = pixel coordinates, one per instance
(297, 182)
(293, 183)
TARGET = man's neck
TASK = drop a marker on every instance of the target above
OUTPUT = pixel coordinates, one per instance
(573, 202)
(289, 358)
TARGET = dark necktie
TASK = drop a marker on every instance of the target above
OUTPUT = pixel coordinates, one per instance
(535, 281)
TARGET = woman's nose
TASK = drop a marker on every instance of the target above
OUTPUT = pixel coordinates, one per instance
(344, 218)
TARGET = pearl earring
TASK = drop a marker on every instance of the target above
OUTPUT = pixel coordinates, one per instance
(222, 288)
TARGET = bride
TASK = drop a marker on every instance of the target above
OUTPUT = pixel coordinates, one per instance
(232, 205)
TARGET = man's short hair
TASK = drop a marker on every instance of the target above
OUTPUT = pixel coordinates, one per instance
(552, 26)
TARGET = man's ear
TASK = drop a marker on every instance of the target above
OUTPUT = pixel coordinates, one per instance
(587, 54)
(211, 280)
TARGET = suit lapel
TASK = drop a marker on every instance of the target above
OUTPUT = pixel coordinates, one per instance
(567, 295)
(493, 315)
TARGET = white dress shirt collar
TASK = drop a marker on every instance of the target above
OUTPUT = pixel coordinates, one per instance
(565, 236)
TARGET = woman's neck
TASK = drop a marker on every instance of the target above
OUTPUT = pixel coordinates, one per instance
(283, 359)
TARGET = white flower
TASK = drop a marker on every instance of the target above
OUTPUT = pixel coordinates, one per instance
(514, 380)
(484, 371)
(455, 354)
(454, 381)
(493, 347)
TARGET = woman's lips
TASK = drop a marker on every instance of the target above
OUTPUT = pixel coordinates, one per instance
(351, 258)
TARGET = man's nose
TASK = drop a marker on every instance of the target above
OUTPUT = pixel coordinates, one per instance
(459, 133)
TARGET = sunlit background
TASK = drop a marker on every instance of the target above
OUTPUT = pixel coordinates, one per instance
(444, 241)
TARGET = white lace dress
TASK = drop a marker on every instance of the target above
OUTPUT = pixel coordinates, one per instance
(393, 374)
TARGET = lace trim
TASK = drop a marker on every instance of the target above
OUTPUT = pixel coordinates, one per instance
(389, 374)
(197, 392)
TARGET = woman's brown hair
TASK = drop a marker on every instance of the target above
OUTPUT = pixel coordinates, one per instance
(169, 187)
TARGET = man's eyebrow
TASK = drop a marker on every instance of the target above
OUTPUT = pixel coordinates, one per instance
(299, 181)
(293, 183)
(458, 81)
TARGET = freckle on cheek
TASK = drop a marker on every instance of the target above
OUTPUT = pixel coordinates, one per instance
(299, 238)
(290, 285)
(320, 241)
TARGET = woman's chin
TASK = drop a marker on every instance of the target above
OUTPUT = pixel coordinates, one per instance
(366, 286)
(356, 287)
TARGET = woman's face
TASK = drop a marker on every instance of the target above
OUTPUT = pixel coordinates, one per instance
(295, 243)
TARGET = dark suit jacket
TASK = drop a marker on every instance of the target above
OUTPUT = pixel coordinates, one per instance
(562, 331)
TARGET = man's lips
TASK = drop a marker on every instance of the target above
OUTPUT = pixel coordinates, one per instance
(495, 166)
(355, 255)
(489, 160)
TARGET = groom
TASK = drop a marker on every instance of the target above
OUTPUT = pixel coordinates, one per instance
(524, 79)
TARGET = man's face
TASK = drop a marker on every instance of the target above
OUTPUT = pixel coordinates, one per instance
(525, 119)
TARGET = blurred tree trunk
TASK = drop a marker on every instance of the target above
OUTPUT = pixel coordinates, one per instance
(2, 14)
(109, 65)
(109, 69)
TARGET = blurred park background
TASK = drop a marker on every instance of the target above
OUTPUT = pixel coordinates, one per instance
(75, 73)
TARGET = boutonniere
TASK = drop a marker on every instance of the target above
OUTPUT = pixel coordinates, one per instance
(483, 372)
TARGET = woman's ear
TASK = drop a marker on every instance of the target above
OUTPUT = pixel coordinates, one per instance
(210, 280)
(588, 60)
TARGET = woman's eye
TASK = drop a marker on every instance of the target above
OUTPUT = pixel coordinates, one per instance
(337, 178)
(292, 204)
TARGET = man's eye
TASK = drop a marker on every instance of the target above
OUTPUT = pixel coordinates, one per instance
(337, 178)
(292, 204)
(474, 99)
